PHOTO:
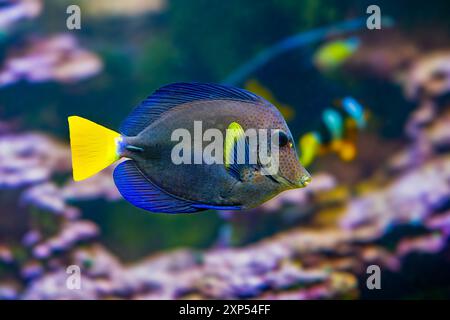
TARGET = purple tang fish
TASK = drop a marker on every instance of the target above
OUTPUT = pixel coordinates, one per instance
(163, 174)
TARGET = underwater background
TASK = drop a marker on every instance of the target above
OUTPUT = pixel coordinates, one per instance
(380, 193)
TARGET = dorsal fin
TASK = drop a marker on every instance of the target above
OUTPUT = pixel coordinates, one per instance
(175, 94)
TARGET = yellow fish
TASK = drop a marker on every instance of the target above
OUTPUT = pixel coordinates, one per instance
(309, 146)
(331, 55)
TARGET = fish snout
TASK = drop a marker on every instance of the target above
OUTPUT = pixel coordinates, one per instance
(305, 179)
(302, 179)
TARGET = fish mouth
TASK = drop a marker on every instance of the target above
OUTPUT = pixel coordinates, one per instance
(305, 180)
(301, 183)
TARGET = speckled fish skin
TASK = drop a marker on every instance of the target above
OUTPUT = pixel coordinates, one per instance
(213, 184)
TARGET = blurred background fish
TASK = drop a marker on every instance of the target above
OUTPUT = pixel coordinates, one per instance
(332, 55)
(337, 132)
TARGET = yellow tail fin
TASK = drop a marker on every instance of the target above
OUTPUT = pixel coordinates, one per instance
(93, 146)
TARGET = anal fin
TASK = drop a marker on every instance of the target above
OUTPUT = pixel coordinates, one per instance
(141, 192)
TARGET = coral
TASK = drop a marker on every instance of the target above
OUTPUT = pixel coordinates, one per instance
(18, 10)
(26, 159)
(429, 76)
(57, 58)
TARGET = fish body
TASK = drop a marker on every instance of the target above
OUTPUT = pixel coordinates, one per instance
(151, 180)
(332, 55)
(309, 145)
(334, 123)
(355, 110)
(337, 132)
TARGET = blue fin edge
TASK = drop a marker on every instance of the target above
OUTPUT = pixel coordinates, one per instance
(174, 94)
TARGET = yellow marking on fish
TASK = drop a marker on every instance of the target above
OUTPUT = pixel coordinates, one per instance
(93, 147)
(233, 135)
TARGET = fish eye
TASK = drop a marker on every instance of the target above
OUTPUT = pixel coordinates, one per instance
(283, 138)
